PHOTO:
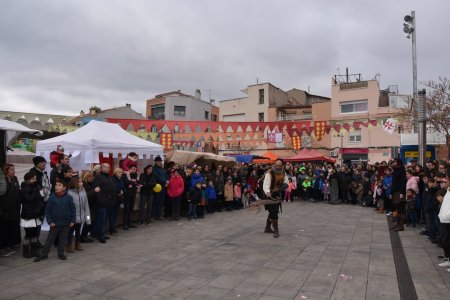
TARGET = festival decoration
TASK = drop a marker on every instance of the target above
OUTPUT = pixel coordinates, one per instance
(166, 140)
(389, 125)
(296, 142)
(319, 129)
(193, 133)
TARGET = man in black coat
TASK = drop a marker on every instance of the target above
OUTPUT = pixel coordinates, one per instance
(43, 182)
(344, 179)
(161, 178)
(105, 198)
(398, 192)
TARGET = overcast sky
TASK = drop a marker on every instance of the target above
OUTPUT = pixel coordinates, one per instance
(64, 56)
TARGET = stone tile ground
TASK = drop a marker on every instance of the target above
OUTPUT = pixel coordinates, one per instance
(227, 256)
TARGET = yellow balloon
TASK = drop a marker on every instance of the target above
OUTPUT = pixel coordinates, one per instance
(157, 188)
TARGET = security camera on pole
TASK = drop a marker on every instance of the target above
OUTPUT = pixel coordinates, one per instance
(409, 27)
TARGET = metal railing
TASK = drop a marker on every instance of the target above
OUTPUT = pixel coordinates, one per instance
(294, 118)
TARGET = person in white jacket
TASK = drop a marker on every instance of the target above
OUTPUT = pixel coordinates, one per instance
(83, 214)
(444, 218)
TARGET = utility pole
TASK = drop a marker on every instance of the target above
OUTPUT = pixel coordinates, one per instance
(422, 128)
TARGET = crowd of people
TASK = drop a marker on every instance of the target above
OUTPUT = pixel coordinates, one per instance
(82, 208)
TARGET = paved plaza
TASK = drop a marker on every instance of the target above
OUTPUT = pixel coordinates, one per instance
(227, 256)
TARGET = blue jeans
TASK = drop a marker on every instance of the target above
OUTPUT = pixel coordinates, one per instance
(411, 215)
(112, 215)
(158, 202)
(192, 213)
(101, 217)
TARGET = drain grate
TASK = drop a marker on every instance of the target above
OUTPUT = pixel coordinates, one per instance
(404, 279)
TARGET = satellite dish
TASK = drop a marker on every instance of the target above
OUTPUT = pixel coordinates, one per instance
(408, 18)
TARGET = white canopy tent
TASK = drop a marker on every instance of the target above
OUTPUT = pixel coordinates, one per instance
(86, 143)
(13, 130)
(9, 132)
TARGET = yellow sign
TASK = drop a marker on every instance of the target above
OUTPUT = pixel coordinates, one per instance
(409, 154)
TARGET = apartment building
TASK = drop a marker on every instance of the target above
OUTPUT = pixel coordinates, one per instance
(179, 106)
(360, 101)
(265, 102)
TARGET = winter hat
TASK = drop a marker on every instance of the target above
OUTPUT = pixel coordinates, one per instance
(158, 158)
(38, 159)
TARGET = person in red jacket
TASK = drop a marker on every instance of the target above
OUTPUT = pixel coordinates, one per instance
(175, 191)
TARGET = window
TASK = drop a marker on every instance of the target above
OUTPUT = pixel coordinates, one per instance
(261, 96)
(261, 117)
(179, 111)
(158, 111)
(355, 136)
(214, 118)
(207, 115)
(353, 107)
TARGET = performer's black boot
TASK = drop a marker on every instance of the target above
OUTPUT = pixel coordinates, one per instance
(268, 229)
(275, 226)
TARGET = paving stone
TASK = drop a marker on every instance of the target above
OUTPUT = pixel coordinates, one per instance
(227, 256)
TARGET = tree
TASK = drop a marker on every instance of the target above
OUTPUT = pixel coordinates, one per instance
(96, 108)
(437, 105)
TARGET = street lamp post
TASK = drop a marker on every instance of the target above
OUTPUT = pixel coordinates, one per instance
(409, 27)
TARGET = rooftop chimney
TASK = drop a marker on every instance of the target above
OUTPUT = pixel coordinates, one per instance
(198, 94)
(81, 113)
(213, 102)
(128, 105)
(92, 111)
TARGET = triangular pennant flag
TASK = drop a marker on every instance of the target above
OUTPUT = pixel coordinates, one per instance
(337, 127)
(346, 126)
(357, 125)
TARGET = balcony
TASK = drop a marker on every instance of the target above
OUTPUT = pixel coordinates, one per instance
(295, 118)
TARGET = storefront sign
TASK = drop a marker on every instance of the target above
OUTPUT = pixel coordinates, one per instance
(410, 154)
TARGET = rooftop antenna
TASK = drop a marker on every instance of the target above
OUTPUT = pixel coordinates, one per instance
(257, 80)
(308, 89)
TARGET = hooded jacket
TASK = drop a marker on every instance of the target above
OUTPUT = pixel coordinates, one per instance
(31, 200)
(444, 213)
(60, 210)
(176, 186)
(413, 184)
(196, 178)
(80, 199)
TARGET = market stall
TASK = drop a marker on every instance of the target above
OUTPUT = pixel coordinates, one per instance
(98, 139)
(200, 158)
(10, 131)
(308, 155)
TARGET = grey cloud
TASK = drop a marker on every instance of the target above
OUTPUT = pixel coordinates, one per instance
(63, 56)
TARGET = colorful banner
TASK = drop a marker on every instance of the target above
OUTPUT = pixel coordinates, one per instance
(319, 129)
(166, 140)
(296, 142)
(193, 132)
